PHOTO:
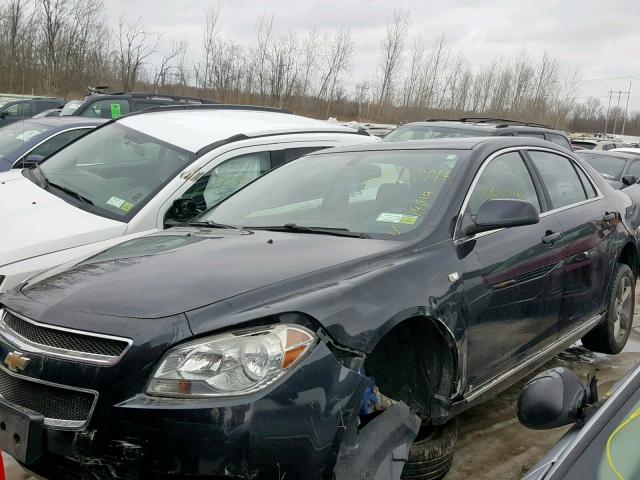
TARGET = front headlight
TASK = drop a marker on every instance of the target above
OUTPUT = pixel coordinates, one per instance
(231, 363)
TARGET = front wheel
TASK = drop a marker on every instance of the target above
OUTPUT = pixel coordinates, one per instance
(612, 334)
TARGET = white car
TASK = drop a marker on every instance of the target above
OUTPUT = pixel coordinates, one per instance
(142, 173)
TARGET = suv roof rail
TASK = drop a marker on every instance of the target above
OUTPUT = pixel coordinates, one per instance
(209, 106)
(169, 97)
(504, 122)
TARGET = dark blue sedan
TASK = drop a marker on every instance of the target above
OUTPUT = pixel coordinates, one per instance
(29, 141)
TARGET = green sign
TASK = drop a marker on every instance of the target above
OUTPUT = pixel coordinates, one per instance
(115, 110)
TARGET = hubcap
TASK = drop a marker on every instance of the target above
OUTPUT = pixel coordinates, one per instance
(622, 309)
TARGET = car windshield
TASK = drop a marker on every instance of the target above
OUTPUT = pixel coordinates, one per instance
(585, 145)
(377, 193)
(70, 107)
(613, 453)
(114, 170)
(608, 166)
(13, 136)
(427, 132)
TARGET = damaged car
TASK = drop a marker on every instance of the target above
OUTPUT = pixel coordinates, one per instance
(393, 284)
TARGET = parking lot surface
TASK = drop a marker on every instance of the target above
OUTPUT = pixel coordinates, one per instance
(492, 444)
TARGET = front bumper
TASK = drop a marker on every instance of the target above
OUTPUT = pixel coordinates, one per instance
(294, 427)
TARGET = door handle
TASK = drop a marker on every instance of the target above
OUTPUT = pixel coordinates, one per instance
(550, 238)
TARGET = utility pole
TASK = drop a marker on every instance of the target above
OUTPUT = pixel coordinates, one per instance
(606, 119)
(626, 109)
(615, 117)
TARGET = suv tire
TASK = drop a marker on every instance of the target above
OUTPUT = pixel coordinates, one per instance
(431, 454)
(611, 335)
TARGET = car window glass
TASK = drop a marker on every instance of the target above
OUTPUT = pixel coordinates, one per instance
(505, 177)
(116, 168)
(559, 140)
(386, 193)
(55, 143)
(426, 132)
(15, 135)
(142, 105)
(42, 106)
(70, 107)
(560, 178)
(634, 169)
(608, 166)
(588, 186)
(22, 109)
(227, 178)
(531, 134)
(107, 109)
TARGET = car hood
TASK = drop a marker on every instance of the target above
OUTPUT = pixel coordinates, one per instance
(183, 269)
(35, 222)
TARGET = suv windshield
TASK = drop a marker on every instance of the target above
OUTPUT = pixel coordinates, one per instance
(114, 170)
(608, 166)
(13, 136)
(378, 193)
(427, 132)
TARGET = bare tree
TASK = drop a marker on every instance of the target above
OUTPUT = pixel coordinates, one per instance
(336, 59)
(391, 55)
(135, 44)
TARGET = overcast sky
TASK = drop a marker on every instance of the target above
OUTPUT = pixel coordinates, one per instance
(601, 38)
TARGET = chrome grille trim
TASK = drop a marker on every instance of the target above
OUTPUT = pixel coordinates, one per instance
(27, 345)
(57, 423)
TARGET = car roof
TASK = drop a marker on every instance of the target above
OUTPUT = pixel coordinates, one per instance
(194, 129)
(496, 125)
(610, 153)
(462, 143)
(67, 121)
(632, 150)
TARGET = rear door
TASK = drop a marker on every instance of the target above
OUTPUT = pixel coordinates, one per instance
(588, 223)
(512, 277)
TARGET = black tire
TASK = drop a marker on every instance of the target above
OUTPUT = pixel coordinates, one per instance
(431, 454)
(611, 335)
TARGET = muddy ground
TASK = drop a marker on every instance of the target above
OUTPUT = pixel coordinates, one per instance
(492, 444)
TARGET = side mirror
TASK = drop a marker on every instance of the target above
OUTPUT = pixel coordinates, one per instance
(629, 180)
(28, 161)
(182, 210)
(503, 213)
(554, 398)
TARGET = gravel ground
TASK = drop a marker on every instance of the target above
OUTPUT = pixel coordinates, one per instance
(493, 445)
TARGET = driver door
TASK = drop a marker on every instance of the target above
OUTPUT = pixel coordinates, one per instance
(512, 278)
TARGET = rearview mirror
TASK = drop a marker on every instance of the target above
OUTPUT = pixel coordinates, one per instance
(629, 180)
(503, 213)
(182, 210)
(554, 398)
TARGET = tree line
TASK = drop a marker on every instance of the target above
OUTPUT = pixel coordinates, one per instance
(59, 47)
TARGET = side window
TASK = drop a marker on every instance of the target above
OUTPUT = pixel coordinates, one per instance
(560, 178)
(107, 109)
(142, 105)
(42, 106)
(588, 186)
(634, 169)
(57, 142)
(227, 178)
(22, 109)
(559, 140)
(531, 134)
(506, 177)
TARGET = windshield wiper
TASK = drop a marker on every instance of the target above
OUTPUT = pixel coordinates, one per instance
(210, 224)
(68, 191)
(292, 227)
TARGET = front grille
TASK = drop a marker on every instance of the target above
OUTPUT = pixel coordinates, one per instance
(55, 403)
(64, 340)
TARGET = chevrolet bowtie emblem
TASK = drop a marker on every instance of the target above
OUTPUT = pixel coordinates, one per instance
(16, 362)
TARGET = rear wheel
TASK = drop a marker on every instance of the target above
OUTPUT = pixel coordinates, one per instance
(431, 454)
(612, 334)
